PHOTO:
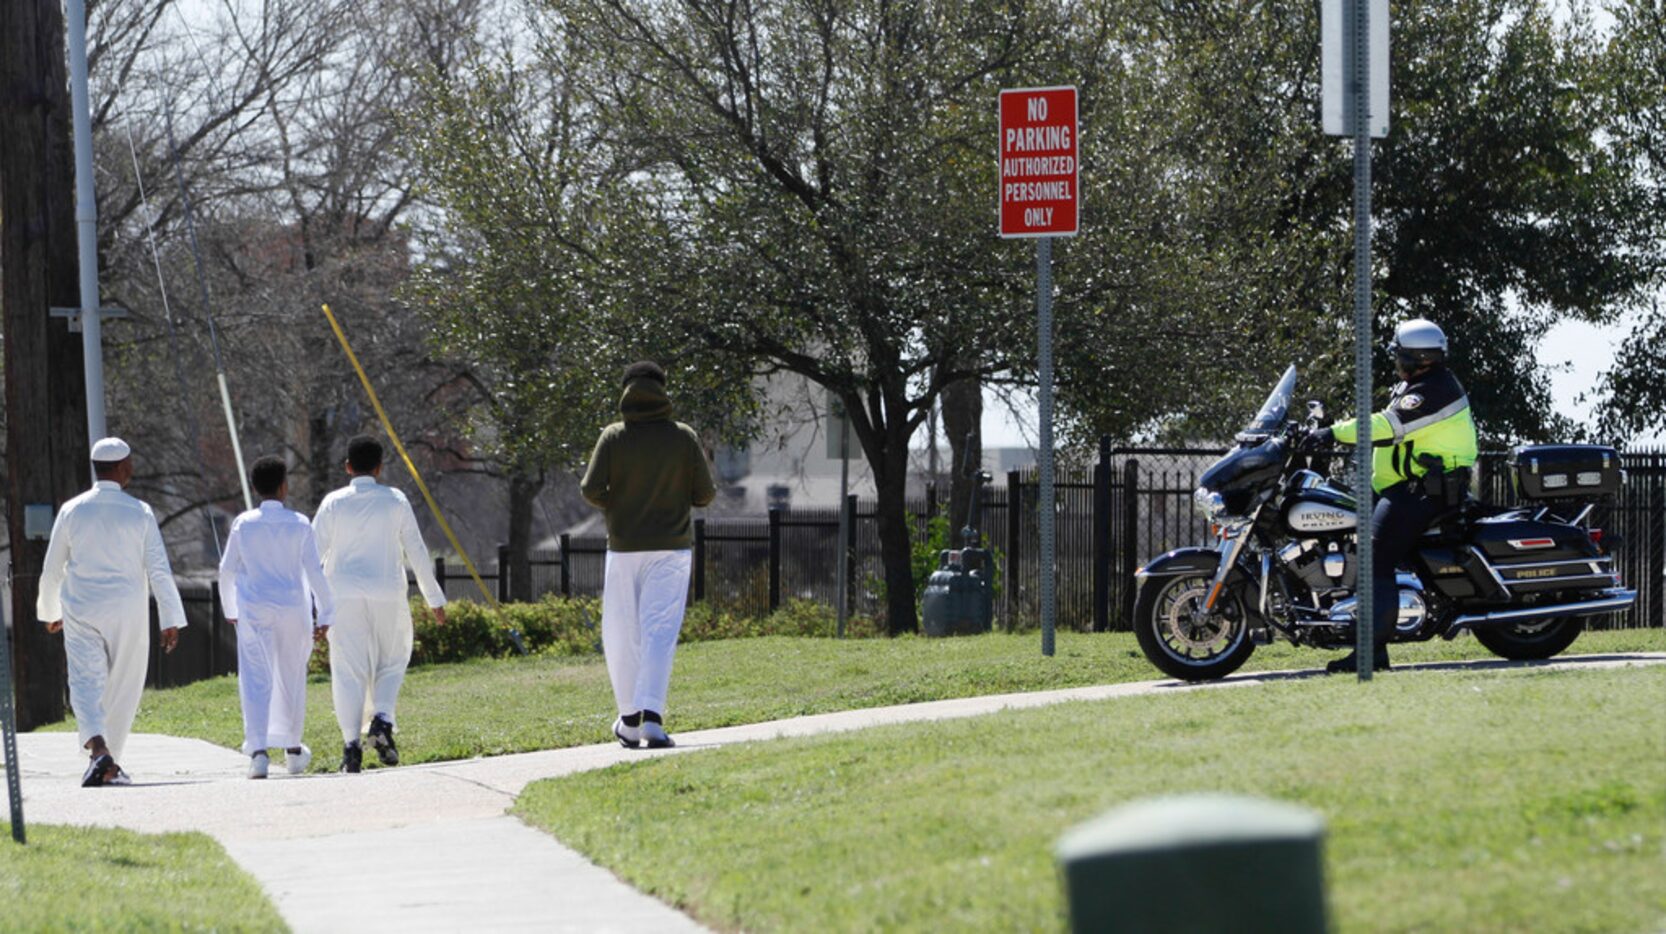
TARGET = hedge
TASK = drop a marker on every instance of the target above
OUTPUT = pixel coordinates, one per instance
(556, 625)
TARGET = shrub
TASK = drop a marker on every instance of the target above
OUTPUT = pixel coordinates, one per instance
(572, 626)
(558, 625)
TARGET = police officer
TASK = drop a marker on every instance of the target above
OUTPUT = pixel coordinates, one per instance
(1427, 415)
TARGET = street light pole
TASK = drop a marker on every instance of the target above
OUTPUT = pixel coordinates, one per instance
(86, 219)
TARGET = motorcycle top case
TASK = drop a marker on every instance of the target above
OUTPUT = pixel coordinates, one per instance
(1566, 471)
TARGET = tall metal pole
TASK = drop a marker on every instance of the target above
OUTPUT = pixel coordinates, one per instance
(1361, 91)
(845, 519)
(1044, 314)
(86, 219)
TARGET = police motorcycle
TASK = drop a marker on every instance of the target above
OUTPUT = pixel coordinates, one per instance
(1522, 579)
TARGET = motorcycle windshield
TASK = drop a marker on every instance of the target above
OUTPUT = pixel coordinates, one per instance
(1271, 417)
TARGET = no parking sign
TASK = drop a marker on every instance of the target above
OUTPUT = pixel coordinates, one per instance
(1040, 200)
(1039, 167)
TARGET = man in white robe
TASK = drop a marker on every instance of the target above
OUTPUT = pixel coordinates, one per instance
(105, 560)
(368, 535)
(270, 578)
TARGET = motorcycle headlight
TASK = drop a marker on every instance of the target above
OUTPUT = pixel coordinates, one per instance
(1209, 505)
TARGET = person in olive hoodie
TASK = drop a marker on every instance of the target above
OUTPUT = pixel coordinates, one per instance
(646, 474)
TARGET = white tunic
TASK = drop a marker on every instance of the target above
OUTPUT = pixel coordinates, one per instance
(271, 563)
(270, 578)
(367, 534)
(105, 560)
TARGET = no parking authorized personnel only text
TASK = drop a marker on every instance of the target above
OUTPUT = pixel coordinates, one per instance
(1039, 176)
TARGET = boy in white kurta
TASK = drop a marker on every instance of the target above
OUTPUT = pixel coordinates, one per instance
(270, 579)
(104, 562)
(368, 535)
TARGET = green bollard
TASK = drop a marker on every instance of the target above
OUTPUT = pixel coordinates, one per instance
(1197, 863)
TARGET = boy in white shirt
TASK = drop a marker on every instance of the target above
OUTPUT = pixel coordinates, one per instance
(368, 535)
(271, 577)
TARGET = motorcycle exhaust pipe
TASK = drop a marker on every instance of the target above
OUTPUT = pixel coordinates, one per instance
(1609, 601)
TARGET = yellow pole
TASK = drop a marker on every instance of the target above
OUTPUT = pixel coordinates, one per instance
(387, 425)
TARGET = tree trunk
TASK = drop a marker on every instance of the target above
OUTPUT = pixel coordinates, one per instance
(524, 487)
(896, 532)
(46, 405)
(897, 543)
(321, 466)
(963, 424)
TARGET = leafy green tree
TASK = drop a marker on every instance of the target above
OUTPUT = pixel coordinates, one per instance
(1195, 277)
(1505, 204)
(1502, 202)
(515, 283)
(1634, 389)
(817, 184)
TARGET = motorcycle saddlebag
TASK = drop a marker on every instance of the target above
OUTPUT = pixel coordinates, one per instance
(1566, 471)
(1531, 556)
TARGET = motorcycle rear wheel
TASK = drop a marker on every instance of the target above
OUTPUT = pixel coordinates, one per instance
(1531, 641)
(1192, 650)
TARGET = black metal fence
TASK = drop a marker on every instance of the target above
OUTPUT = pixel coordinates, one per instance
(207, 646)
(1130, 506)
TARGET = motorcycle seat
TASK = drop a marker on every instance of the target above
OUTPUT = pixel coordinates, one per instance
(1452, 524)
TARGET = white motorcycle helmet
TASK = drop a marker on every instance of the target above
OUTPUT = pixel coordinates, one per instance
(1418, 343)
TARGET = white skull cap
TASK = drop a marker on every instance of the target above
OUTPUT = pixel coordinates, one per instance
(111, 450)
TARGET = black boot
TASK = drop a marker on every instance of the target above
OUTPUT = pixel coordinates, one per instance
(352, 757)
(381, 737)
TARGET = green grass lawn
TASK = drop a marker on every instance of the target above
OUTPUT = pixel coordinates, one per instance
(83, 879)
(492, 707)
(1462, 801)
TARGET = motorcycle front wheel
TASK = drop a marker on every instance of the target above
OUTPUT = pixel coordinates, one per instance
(1531, 640)
(1184, 642)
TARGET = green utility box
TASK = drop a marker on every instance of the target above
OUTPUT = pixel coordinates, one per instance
(958, 598)
(1197, 863)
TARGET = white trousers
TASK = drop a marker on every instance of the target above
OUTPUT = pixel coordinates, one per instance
(273, 647)
(643, 598)
(107, 661)
(370, 647)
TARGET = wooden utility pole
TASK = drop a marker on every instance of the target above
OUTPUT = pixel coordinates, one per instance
(46, 433)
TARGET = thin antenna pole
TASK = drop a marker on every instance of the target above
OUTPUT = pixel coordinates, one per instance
(173, 332)
(208, 312)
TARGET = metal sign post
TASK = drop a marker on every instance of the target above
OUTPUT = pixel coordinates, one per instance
(1355, 87)
(839, 449)
(1049, 514)
(1040, 198)
(8, 731)
(845, 517)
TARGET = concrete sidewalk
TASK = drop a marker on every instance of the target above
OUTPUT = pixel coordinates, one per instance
(429, 847)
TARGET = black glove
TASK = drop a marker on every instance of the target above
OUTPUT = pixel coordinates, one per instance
(1317, 440)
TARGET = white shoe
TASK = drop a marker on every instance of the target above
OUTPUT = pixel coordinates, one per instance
(629, 737)
(258, 764)
(656, 736)
(122, 778)
(297, 762)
